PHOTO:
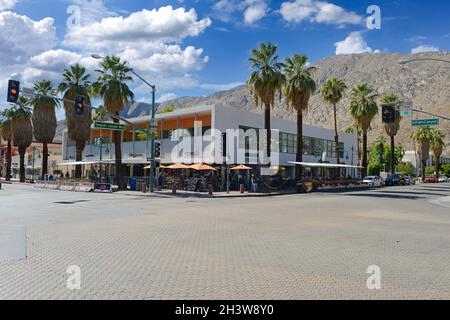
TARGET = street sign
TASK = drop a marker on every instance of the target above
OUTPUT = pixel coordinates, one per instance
(28, 92)
(406, 109)
(424, 122)
(109, 126)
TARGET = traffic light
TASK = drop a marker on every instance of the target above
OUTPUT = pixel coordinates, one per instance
(388, 113)
(157, 149)
(80, 102)
(13, 91)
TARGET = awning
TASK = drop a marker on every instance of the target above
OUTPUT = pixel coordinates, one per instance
(75, 163)
(324, 165)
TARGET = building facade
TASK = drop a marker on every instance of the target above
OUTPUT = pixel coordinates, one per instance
(33, 160)
(412, 157)
(236, 131)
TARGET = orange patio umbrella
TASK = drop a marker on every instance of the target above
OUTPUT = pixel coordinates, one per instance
(160, 166)
(178, 166)
(202, 166)
(241, 167)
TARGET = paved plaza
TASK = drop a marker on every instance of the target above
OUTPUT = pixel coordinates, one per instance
(309, 246)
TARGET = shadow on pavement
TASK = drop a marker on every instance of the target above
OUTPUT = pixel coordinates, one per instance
(416, 192)
(384, 195)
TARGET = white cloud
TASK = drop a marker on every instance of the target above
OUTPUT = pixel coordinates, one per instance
(149, 40)
(49, 65)
(253, 10)
(7, 4)
(354, 43)
(167, 97)
(158, 25)
(22, 37)
(424, 48)
(317, 11)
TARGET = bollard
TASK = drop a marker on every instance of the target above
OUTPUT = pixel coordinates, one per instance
(210, 189)
(242, 188)
(144, 188)
(174, 188)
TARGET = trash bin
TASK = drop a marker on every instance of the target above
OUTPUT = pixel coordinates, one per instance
(133, 182)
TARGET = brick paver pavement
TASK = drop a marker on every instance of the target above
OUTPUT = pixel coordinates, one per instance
(287, 247)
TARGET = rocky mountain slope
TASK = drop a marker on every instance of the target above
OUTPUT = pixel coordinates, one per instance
(425, 83)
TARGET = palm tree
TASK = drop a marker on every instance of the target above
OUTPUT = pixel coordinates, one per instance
(22, 131)
(100, 113)
(332, 92)
(392, 128)
(44, 118)
(363, 108)
(423, 137)
(76, 83)
(111, 86)
(266, 79)
(437, 145)
(6, 133)
(298, 89)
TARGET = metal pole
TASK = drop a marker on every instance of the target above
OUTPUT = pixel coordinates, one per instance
(228, 178)
(101, 156)
(32, 178)
(152, 144)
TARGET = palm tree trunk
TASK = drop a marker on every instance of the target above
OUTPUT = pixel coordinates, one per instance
(267, 127)
(44, 160)
(392, 155)
(438, 166)
(22, 163)
(299, 154)
(424, 168)
(120, 177)
(8, 161)
(364, 155)
(336, 141)
(79, 157)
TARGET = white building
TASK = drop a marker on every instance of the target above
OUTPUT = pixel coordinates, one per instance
(318, 142)
(413, 158)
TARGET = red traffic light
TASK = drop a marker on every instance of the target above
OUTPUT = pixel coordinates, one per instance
(13, 91)
(79, 104)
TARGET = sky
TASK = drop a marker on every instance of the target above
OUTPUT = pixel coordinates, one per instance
(197, 47)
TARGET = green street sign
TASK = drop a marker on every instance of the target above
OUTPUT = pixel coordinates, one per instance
(424, 122)
(109, 126)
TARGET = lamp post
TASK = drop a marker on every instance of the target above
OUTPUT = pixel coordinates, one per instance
(152, 123)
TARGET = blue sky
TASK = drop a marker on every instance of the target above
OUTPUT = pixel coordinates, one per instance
(196, 47)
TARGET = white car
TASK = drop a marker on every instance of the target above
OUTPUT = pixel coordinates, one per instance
(372, 181)
(443, 179)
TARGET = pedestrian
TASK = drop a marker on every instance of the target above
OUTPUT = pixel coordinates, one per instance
(160, 181)
(254, 183)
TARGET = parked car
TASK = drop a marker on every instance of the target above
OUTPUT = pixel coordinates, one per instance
(409, 180)
(443, 179)
(395, 180)
(372, 181)
(431, 179)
